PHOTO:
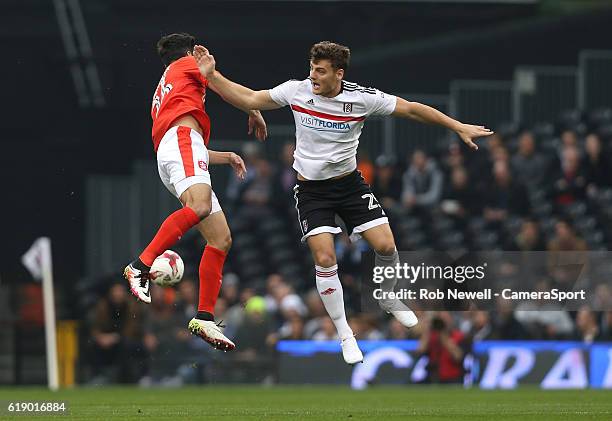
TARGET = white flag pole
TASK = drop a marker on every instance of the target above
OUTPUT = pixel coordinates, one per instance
(49, 303)
(39, 263)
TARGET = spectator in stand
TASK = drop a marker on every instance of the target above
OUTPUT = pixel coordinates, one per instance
(286, 173)
(445, 346)
(559, 267)
(544, 319)
(187, 299)
(460, 201)
(286, 178)
(167, 341)
(316, 311)
(504, 196)
(505, 325)
(251, 154)
(570, 184)
(606, 326)
(293, 328)
(387, 187)
(253, 333)
(480, 327)
(395, 330)
(529, 166)
(421, 183)
(118, 353)
(364, 326)
(258, 197)
(235, 314)
(565, 238)
(569, 139)
(529, 237)
(328, 332)
(587, 329)
(453, 159)
(257, 340)
(596, 164)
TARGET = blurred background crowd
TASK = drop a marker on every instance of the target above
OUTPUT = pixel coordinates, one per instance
(522, 191)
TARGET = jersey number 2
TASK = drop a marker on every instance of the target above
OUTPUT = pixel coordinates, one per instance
(373, 204)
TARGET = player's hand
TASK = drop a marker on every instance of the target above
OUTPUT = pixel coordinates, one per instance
(258, 124)
(205, 60)
(238, 165)
(468, 133)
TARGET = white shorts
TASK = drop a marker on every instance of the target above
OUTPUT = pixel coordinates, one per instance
(182, 161)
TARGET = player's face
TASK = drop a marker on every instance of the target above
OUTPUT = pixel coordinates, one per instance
(325, 80)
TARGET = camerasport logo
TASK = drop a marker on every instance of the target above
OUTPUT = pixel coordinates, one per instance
(203, 165)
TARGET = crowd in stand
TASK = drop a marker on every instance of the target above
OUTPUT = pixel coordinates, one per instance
(529, 197)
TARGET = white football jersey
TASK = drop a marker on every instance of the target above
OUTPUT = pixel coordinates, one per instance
(327, 130)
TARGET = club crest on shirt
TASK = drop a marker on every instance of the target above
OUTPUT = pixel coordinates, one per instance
(348, 108)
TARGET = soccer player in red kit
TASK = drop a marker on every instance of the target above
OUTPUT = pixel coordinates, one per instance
(181, 131)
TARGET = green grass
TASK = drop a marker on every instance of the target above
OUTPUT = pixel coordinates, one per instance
(319, 403)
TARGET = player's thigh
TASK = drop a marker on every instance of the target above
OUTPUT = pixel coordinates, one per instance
(380, 238)
(322, 248)
(216, 231)
(315, 213)
(361, 211)
(182, 160)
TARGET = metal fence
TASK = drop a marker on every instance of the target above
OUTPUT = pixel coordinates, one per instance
(595, 79)
(486, 102)
(542, 93)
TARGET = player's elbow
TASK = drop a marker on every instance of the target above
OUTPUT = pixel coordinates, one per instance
(406, 109)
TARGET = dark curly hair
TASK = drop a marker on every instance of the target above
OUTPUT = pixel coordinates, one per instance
(338, 55)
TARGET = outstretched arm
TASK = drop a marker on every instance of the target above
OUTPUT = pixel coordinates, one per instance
(237, 95)
(426, 114)
(215, 158)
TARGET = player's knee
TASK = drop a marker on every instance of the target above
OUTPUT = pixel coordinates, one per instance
(201, 208)
(386, 249)
(223, 243)
(324, 258)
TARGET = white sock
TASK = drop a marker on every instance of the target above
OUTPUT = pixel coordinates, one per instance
(330, 291)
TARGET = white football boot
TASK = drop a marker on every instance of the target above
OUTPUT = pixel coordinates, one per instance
(139, 283)
(400, 311)
(211, 333)
(350, 351)
(406, 317)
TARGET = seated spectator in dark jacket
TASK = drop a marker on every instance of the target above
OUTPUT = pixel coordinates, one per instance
(459, 200)
(504, 196)
(387, 187)
(596, 165)
(529, 166)
(453, 159)
(117, 333)
(421, 183)
(570, 184)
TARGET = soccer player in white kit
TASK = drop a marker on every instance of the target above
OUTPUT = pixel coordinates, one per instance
(329, 114)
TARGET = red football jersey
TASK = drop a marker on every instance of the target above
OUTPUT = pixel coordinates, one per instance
(181, 90)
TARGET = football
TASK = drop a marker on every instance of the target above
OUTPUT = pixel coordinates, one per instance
(167, 269)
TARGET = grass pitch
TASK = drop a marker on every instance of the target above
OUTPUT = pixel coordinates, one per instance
(316, 403)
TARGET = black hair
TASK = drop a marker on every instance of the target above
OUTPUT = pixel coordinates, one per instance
(174, 46)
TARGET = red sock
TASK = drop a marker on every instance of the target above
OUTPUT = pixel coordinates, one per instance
(211, 272)
(171, 230)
